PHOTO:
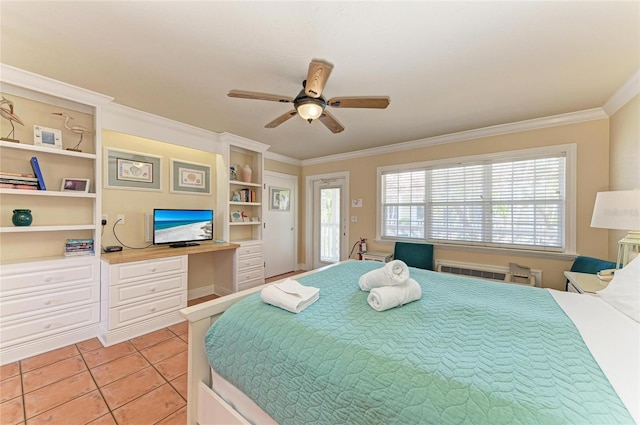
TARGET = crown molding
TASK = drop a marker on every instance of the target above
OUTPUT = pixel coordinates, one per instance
(282, 158)
(31, 81)
(143, 124)
(243, 142)
(496, 130)
(624, 94)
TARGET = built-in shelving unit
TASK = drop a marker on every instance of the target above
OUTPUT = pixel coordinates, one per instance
(248, 232)
(48, 300)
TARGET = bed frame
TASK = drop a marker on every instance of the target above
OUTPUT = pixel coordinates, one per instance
(202, 402)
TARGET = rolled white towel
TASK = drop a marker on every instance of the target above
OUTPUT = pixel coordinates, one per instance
(394, 272)
(290, 295)
(386, 297)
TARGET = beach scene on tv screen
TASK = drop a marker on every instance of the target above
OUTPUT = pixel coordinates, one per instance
(175, 226)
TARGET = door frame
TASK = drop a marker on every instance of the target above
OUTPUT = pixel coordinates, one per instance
(309, 180)
(294, 207)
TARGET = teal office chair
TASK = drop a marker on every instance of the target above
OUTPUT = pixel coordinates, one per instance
(590, 265)
(418, 255)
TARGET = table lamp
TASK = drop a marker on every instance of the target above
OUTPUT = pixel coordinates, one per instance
(620, 210)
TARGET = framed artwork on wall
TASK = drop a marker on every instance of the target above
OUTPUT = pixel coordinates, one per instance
(190, 177)
(279, 199)
(132, 170)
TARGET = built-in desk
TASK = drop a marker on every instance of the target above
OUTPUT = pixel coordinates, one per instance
(142, 290)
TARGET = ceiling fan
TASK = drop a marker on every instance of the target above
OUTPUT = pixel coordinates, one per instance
(310, 104)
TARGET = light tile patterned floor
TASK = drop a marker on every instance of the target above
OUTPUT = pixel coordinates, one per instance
(137, 382)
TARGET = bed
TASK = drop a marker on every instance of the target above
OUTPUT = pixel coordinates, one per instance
(469, 351)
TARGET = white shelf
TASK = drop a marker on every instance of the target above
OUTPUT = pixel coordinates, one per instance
(33, 148)
(241, 183)
(247, 204)
(47, 193)
(244, 223)
(61, 228)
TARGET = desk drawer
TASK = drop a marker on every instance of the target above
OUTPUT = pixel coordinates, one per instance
(250, 262)
(138, 291)
(252, 274)
(44, 325)
(246, 250)
(138, 312)
(121, 273)
(250, 284)
(30, 304)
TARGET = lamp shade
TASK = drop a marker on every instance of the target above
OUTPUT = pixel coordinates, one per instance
(617, 210)
(310, 109)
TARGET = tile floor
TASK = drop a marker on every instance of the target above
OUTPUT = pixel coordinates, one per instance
(137, 382)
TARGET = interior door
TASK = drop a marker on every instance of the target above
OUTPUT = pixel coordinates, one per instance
(329, 221)
(280, 229)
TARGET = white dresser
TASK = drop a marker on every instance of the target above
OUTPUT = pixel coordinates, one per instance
(141, 297)
(47, 305)
(249, 265)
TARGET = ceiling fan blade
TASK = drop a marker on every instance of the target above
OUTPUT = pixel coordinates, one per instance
(317, 77)
(282, 118)
(359, 102)
(259, 96)
(331, 122)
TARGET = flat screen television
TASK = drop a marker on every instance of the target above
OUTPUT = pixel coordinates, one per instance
(179, 228)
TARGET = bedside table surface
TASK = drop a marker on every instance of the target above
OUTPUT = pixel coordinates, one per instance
(587, 282)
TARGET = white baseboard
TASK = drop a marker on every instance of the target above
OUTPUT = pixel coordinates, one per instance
(203, 291)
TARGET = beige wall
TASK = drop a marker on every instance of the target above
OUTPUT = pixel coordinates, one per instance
(135, 203)
(624, 171)
(592, 139)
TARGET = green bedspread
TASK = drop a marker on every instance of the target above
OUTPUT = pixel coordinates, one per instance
(468, 352)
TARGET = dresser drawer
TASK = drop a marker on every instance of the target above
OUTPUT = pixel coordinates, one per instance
(46, 301)
(44, 325)
(20, 280)
(247, 250)
(121, 273)
(138, 312)
(252, 274)
(138, 291)
(249, 262)
(250, 284)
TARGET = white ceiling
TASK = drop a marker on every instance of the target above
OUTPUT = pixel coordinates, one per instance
(446, 66)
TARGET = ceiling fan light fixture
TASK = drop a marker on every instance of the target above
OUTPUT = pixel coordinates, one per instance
(310, 109)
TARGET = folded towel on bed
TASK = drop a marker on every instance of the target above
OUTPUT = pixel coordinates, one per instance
(387, 297)
(290, 295)
(394, 272)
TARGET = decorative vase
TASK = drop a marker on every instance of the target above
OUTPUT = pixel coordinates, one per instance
(22, 218)
(246, 174)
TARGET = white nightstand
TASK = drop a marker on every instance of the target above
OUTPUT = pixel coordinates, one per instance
(383, 257)
(584, 283)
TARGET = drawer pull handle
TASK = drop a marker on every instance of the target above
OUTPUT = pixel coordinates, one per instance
(153, 269)
(153, 309)
(152, 289)
(47, 326)
(48, 279)
(48, 302)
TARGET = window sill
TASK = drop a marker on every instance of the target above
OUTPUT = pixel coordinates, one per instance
(562, 256)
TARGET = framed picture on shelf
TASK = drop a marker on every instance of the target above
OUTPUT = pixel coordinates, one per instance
(279, 199)
(47, 137)
(190, 177)
(237, 216)
(75, 185)
(132, 170)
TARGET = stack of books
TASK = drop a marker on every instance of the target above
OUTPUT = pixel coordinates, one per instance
(9, 180)
(247, 195)
(78, 247)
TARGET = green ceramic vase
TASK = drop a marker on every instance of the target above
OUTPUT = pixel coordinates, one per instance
(22, 217)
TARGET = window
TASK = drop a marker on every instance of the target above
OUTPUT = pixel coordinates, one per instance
(514, 199)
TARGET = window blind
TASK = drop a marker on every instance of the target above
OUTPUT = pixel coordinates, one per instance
(513, 202)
